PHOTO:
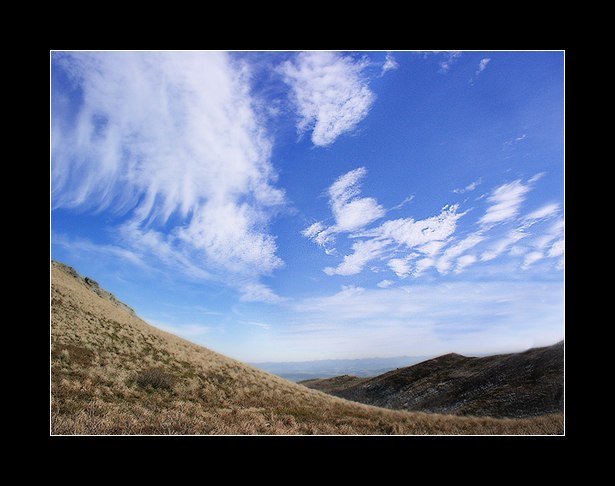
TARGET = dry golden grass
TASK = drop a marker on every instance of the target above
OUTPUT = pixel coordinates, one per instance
(107, 367)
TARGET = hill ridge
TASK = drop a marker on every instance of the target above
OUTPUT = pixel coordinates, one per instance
(522, 384)
(93, 285)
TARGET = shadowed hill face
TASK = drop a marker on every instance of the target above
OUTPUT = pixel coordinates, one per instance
(510, 385)
(112, 373)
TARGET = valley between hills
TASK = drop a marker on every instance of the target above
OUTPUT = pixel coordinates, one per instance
(112, 373)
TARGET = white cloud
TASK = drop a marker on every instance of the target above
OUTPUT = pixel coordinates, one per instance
(463, 262)
(538, 176)
(469, 187)
(557, 249)
(313, 230)
(169, 134)
(413, 233)
(451, 58)
(482, 65)
(432, 248)
(363, 252)
(384, 284)
(425, 236)
(512, 141)
(545, 212)
(403, 203)
(503, 244)
(400, 266)
(153, 245)
(422, 265)
(330, 93)
(518, 250)
(321, 235)
(557, 227)
(443, 264)
(215, 228)
(350, 211)
(505, 202)
(389, 64)
(410, 247)
(257, 292)
(531, 258)
(350, 291)
(553, 232)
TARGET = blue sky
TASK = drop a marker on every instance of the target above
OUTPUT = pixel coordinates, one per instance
(282, 206)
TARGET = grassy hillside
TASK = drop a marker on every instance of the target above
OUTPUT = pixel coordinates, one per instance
(508, 385)
(112, 373)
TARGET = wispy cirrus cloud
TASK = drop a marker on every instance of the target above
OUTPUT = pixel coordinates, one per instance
(512, 141)
(444, 262)
(514, 235)
(410, 247)
(363, 252)
(464, 261)
(482, 65)
(389, 64)
(549, 244)
(258, 292)
(172, 141)
(446, 59)
(451, 57)
(531, 258)
(403, 203)
(557, 249)
(470, 187)
(330, 93)
(505, 202)
(503, 244)
(543, 213)
(552, 233)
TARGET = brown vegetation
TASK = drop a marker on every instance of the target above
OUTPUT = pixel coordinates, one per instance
(107, 366)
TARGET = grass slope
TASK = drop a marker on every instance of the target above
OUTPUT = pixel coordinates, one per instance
(112, 373)
(508, 385)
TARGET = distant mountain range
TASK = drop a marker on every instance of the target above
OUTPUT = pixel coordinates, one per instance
(328, 368)
(509, 385)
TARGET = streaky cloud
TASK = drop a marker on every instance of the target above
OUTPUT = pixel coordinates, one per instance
(170, 139)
